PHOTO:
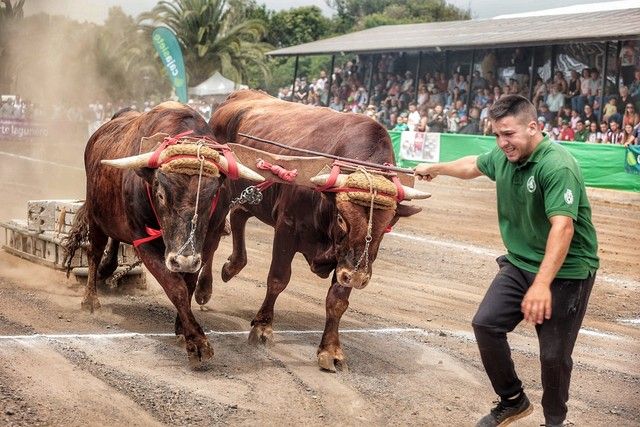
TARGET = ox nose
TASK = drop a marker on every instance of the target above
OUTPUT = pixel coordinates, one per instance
(352, 279)
(183, 264)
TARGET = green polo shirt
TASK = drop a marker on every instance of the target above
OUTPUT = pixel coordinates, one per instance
(548, 183)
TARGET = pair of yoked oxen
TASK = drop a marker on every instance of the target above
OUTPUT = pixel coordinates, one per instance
(132, 196)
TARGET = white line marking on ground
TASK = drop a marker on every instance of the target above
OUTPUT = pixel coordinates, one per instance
(465, 335)
(596, 333)
(480, 250)
(33, 159)
(453, 245)
(631, 321)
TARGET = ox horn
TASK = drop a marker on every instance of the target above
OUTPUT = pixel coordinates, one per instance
(243, 171)
(409, 192)
(142, 160)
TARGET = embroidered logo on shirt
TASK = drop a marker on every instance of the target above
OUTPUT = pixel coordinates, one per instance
(568, 197)
(531, 184)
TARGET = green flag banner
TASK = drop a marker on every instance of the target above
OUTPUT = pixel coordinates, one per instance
(168, 48)
(632, 159)
(602, 164)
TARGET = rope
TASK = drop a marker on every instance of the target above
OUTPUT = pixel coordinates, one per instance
(367, 240)
(282, 173)
(194, 220)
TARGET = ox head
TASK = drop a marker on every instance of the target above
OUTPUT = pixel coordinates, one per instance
(173, 181)
(357, 228)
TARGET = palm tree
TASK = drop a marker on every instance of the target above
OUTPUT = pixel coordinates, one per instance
(214, 36)
(9, 15)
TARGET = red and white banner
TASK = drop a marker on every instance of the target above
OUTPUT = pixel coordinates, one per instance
(420, 146)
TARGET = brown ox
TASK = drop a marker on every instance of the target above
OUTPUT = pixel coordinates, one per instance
(124, 196)
(330, 234)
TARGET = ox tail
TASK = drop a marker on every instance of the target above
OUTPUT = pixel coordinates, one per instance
(76, 238)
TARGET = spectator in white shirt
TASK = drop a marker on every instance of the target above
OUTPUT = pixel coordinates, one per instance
(555, 99)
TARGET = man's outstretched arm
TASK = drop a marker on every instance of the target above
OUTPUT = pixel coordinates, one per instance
(463, 168)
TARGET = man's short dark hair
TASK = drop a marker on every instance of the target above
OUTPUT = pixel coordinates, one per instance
(513, 105)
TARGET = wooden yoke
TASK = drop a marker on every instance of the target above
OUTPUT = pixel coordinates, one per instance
(307, 167)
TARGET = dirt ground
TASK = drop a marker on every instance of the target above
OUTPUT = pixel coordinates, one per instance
(411, 354)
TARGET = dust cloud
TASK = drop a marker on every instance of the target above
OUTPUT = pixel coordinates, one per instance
(52, 66)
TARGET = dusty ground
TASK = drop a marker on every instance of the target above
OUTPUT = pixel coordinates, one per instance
(412, 357)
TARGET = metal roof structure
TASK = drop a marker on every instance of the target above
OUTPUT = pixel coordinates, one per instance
(480, 33)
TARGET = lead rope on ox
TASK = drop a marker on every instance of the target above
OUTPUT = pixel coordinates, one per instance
(367, 240)
(194, 220)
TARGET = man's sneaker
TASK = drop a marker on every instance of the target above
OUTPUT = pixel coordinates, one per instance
(503, 415)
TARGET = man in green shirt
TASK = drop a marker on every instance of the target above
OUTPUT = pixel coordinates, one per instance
(549, 269)
(581, 132)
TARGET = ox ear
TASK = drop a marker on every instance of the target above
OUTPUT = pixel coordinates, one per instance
(150, 143)
(403, 211)
(296, 170)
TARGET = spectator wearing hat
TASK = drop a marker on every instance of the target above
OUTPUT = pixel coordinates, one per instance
(566, 133)
(581, 132)
(542, 123)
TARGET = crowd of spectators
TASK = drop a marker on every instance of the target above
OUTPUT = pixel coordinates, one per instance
(568, 105)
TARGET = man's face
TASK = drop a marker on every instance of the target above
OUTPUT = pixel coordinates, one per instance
(580, 126)
(515, 137)
(587, 109)
(614, 126)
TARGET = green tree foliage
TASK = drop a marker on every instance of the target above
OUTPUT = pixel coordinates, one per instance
(215, 36)
(124, 58)
(353, 15)
(296, 26)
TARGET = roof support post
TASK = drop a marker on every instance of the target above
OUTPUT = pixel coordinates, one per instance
(469, 90)
(533, 69)
(605, 63)
(295, 76)
(370, 80)
(554, 59)
(618, 50)
(417, 78)
(330, 80)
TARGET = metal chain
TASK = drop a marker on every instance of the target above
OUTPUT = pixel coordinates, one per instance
(112, 281)
(367, 240)
(251, 195)
(194, 221)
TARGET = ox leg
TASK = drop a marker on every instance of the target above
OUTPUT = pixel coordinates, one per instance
(204, 284)
(238, 258)
(97, 243)
(330, 355)
(279, 276)
(109, 261)
(177, 289)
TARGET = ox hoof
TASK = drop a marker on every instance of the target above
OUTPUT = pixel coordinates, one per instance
(181, 341)
(199, 352)
(90, 304)
(227, 272)
(332, 362)
(261, 334)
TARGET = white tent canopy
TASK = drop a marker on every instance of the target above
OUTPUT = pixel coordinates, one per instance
(216, 85)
